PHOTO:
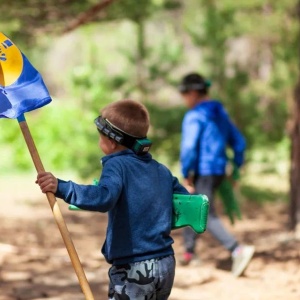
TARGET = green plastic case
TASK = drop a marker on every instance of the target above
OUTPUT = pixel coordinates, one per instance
(188, 210)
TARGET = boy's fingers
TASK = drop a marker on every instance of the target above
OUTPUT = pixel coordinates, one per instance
(190, 189)
(43, 177)
(43, 174)
(47, 182)
(48, 188)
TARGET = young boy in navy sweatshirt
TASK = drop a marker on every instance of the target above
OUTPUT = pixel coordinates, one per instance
(136, 191)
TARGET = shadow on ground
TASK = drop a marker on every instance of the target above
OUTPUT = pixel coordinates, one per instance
(35, 264)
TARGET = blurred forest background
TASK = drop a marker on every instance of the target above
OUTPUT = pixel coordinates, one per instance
(91, 53)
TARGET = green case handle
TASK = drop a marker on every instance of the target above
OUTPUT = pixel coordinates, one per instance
(188, 210)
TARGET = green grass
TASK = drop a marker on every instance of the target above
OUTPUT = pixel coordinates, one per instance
(262, 194)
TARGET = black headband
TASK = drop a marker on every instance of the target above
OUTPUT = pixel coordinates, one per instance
(201, 86)
(140, 145)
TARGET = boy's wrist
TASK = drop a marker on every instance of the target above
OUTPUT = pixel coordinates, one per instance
(188, 183)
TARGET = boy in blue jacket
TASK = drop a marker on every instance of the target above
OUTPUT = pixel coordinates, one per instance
(206, 133)
(137, 192)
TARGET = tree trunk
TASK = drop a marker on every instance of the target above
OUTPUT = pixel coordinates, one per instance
(295, 164)
(295, 155)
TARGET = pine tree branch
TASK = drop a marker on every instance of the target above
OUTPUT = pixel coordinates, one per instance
(87, 16)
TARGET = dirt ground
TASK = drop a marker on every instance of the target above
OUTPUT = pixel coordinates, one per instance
(34, 263)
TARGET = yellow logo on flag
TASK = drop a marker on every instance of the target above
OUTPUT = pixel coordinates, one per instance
(11, 61)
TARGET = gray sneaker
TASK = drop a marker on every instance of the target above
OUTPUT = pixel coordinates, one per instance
(241, 258)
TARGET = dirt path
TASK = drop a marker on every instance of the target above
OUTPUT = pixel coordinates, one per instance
(34, 263)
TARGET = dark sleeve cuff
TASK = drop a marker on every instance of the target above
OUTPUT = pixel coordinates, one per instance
(62, 189)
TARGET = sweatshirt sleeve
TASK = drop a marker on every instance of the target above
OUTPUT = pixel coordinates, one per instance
(94, 198)
(237, 142)
(178, 188)
(191, 128)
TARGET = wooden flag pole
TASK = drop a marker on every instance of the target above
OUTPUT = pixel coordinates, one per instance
(57, 213)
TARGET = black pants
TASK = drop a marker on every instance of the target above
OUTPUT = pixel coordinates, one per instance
(207, 185)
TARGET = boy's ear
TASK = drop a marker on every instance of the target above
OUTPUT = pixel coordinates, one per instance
(113, 144)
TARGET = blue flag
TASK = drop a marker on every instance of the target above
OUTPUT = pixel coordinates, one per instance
(22, 88)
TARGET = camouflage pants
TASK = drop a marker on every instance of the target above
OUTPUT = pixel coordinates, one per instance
(146, 280)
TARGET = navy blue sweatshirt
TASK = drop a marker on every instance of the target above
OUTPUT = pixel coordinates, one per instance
(136, 191)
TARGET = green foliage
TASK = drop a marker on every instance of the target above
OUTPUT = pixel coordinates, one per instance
(262, 194)
(140, 49)
(256, 89)
(65, 138)
(10, 135)
(25, 19)
(138, 11)
(166, 131)
(265, 176)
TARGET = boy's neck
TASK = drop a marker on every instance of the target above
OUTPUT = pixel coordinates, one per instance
(119, 148)
(201, 98)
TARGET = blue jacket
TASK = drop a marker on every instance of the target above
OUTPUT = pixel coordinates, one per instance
(137, 192)
(206, 132)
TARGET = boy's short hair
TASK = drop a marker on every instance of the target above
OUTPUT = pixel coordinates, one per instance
(196, 82)
(130, 116)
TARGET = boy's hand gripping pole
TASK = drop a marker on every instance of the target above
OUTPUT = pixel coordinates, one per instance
(57, 213)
